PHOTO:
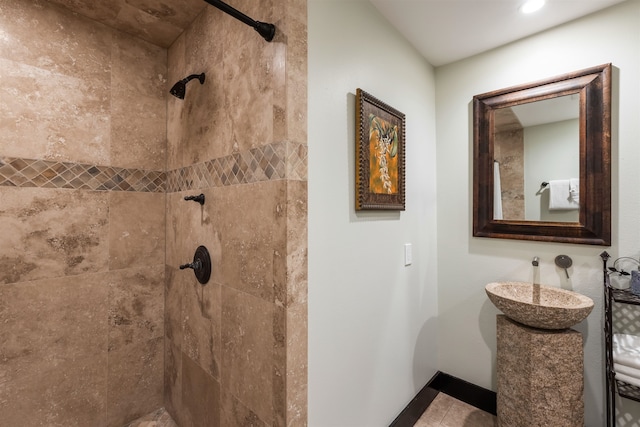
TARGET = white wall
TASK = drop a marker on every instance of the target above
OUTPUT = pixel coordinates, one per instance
(372, 321)
(551, 151)
(467, 339)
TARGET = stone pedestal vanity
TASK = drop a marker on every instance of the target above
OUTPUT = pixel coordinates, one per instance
(540, 365)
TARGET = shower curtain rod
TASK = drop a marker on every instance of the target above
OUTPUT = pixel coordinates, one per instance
(267, 31)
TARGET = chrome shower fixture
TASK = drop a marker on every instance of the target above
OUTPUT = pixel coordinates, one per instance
(178, 90)
(267, 31)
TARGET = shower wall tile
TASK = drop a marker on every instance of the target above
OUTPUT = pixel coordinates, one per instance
(136, 231)
(135, 381)
(249, 339)
(53, 116)
(206, 127)
(176, 70)
(295, 318)
(138, 107)
(248, 74)
(254, 249)
(234, 413)
(296, 243)
(201, 330)
(138, 143)
(71, 394)
(296, 27)
(175, 283)
(52, 233)
(82, 185)
(55, 92)
(199, 128)
(247, 154)
(51, 322)
(290, 71)
(176, 252)
(173, 380)
(509, 152)
(136, 306)
(296, 365)
(200, 396)
(43, 36)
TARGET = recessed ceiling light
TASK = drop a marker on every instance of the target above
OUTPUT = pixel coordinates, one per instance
(531, 6)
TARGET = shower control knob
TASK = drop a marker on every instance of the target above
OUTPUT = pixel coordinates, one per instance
(199, 198)
(195, 265)
(201, 265)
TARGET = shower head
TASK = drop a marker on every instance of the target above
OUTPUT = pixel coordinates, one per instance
(178, 90)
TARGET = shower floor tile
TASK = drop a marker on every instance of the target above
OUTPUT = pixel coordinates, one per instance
(158, 418)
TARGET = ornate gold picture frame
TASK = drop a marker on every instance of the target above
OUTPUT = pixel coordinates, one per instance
(380, 154)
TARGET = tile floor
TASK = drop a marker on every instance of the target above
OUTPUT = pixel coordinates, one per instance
(158, 418)
(445, 411)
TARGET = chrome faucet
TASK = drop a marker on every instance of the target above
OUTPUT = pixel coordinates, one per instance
(535, 261)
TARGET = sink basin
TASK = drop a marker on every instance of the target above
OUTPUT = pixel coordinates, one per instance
(539, 306)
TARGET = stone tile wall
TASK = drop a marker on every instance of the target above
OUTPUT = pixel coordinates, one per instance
(236, 350)
(82, 160)
(86, 219)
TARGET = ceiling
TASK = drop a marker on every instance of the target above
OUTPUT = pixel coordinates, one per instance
(445, 31)
(157, 21)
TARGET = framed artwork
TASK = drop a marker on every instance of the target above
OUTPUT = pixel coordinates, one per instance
(380, 151)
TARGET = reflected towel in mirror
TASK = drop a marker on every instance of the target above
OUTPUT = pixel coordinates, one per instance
(563, 195)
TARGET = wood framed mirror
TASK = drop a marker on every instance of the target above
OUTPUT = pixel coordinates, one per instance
(545, 179)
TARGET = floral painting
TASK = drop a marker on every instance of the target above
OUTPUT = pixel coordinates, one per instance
(379, 154)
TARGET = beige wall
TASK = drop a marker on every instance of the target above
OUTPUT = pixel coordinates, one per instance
(467, 345)
(236, 346)
(82, 113)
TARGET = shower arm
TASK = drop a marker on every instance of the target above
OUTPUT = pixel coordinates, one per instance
(267, 31)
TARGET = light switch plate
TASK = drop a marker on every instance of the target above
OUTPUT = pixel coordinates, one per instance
(408, 254)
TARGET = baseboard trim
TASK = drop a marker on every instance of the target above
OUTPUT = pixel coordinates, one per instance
(416, 407)
(462, 390)
(472, 394)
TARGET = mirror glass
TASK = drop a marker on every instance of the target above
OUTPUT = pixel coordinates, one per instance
(536, 153)
(542, 160)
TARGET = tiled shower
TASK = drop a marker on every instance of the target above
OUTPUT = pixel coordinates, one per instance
(98, 326)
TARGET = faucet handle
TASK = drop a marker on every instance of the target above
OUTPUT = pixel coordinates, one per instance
(564, 261)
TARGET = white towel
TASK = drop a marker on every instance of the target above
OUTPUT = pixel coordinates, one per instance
(627, 370)
(574, 190)
(628, 379)
(560, 196)
(626, 350)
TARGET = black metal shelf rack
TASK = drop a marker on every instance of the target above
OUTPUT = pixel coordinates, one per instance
(624, 389)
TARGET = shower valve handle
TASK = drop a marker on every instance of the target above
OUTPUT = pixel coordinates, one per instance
(199, 198)
(201, 265)
(196, 265)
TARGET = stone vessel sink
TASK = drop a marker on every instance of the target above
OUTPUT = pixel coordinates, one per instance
(539, 306)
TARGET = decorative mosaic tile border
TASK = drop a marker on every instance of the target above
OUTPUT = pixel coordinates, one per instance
(19, 172)
(270, 162)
